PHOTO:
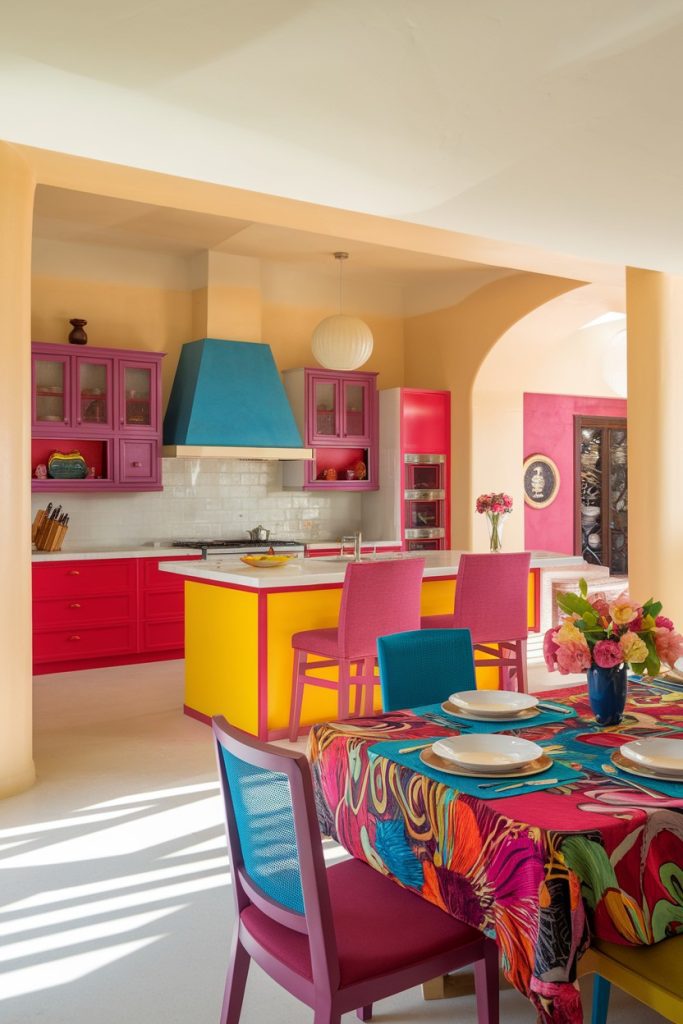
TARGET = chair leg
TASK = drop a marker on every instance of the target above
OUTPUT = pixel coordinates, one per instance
(324, 1014)
(486, 986)
(364, 1012)
(369, 673)
(601, 994)
(522, 681)
(345, 680)
(300, 662)
(235, 983)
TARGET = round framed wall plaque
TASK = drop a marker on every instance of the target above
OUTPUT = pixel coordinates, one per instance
(541, 481)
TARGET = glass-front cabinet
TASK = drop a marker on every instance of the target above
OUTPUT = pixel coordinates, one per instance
(336, 413)
(51, 390)
(93, 390)
(339, 408)
(88, 401)
(601, 492)
(136, 402)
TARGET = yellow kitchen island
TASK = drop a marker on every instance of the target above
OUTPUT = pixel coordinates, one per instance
(239, 623)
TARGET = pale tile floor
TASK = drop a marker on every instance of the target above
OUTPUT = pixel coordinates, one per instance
(115, 889)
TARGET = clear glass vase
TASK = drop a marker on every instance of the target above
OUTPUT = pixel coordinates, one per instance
(494, 521)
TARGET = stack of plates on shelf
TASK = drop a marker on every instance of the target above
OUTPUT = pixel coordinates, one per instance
(655, 758)
(491, 705)
(486, 756)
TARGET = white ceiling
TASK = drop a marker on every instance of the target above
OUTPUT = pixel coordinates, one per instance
(535, 121)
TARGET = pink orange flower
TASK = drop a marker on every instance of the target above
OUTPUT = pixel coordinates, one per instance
(665, 623)
(573, 657)
(624, 611)
(669, 645)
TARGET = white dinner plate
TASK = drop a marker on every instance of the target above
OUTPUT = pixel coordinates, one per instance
(540, 764)
(627, 765)
(493, 703)
(492, 753)
(451, 709)
(658, 752)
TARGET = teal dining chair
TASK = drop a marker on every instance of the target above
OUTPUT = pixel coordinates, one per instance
(424, 666)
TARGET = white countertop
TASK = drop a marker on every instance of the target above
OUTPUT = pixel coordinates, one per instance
(313, 572)
(165, 551)
(144, 551)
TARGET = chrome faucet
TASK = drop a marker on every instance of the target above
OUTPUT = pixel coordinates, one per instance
(357, 546)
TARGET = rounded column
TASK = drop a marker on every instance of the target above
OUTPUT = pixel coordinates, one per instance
(654, 307)
(16, 213)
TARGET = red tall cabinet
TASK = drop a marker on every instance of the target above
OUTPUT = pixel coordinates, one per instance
(413, 503)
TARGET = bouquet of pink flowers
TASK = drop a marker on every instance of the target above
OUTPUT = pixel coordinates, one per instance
(597, 632)
(494, 503)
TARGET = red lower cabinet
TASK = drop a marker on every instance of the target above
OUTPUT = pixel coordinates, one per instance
(96, 612)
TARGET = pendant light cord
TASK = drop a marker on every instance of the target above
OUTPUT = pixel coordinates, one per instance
(341, 256)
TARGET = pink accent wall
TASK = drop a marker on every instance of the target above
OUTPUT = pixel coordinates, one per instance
(549, 430)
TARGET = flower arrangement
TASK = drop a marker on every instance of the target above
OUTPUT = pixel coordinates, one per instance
(495, 506)
(621, 632)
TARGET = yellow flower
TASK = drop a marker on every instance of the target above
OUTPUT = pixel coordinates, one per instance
(635, 649)
(568, 633)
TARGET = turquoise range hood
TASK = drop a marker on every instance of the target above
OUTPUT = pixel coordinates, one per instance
(227, 401)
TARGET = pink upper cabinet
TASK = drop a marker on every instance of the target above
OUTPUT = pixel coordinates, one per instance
(337, 414)
(88, 400)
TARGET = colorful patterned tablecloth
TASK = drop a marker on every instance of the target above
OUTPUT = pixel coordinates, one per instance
(540, 872)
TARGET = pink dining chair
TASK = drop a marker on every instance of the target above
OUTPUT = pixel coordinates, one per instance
(377, 598)
(337, 938)
(491, 601)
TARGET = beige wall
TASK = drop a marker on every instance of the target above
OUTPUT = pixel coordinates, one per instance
(165, 310)
(16, 209)
(445, 350)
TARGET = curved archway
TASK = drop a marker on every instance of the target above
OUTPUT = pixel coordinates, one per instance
(553, 350)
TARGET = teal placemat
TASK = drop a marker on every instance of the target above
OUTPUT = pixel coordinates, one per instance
(433, 713)
(485, 789)
(611, 771)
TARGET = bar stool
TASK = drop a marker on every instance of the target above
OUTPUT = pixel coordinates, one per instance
(377, 598)
(491, 601)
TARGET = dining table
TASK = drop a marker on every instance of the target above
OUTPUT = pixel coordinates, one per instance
(540, 863)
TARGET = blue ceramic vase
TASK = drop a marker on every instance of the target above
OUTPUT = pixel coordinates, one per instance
(607, 693)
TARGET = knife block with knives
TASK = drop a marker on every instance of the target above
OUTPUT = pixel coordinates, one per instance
(49, 528)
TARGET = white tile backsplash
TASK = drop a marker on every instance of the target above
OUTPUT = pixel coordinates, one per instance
(207, 498)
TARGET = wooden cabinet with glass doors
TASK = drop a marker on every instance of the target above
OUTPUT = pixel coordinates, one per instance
(103, 403)
(601, 492)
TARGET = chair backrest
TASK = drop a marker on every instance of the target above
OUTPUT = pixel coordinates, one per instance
(491, 596)
(274, 841)
(424, 666)
(378, 598)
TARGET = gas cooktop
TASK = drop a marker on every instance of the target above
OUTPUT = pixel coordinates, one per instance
(236, 544)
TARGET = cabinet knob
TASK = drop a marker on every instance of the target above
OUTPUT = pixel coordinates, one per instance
(74, 638)
(75, 605)
(136, 464)
(122, 421)
(74, 572)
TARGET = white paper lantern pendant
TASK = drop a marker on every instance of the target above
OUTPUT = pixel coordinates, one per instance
(342, 342)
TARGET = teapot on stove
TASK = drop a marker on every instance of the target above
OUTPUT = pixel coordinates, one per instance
(259, 534)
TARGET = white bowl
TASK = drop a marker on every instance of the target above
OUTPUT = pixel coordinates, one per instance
(495, 753)
(659, 753)
(493, 703)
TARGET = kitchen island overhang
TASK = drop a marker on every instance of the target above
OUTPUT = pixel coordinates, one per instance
(239, 622)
